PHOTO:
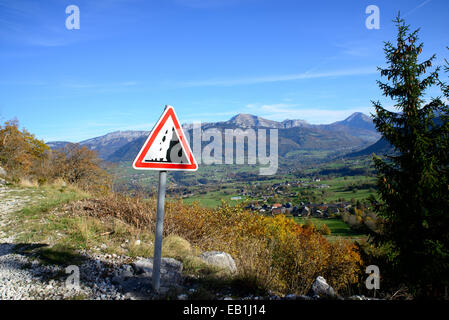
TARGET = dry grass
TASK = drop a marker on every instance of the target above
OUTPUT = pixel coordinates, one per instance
(59, 182)
(133, 211)
(119, 237)
(256, 265)
(176, 247)
(271, 253)
(27, 183)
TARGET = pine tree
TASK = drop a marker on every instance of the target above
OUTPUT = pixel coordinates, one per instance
(413, 183)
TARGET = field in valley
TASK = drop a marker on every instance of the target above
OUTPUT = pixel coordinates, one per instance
(321, 181)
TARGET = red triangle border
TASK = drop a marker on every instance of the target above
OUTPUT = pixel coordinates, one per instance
(140, 165)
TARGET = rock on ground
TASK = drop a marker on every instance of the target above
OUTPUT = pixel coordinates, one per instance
(321, 289)
(171, 270)
(219, 259)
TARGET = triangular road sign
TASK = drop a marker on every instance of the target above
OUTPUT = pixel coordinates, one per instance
(166, 147)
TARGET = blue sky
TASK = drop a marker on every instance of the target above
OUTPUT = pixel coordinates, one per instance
(210, 59)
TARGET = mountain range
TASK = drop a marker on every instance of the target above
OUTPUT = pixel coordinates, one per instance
(351, 134)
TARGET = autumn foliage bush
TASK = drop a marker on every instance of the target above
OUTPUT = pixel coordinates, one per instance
(80, 166)
(21, 154)
(26, 158)
(324, 230)
(275, 252)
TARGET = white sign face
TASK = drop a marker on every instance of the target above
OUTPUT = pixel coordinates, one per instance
(166, 147)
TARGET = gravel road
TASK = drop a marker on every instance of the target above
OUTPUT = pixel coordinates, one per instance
(23, 276)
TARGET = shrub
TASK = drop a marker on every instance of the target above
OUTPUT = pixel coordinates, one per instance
(274, 252)
(80, 166)
(309, 224)
(26, 158)
(176, 247)
(21, 154)
(324, 230)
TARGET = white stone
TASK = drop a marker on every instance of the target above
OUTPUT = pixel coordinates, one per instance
(219, 259)
(321, 288)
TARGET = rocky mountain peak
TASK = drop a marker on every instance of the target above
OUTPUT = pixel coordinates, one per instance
(245, 120)
(358, 120)
(289, 123)
(358, 116)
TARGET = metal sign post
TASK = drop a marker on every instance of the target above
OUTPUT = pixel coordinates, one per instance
(159, 229)
(157, 154)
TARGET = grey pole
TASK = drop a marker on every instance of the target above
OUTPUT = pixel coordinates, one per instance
(159, 229)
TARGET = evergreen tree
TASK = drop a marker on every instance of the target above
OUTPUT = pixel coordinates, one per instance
(413, 182)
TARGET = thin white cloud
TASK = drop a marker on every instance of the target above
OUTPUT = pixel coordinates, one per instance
(206, 4)
(278, 78)
(416, 8)
(282, 111)
(31, 23)
(57, 41)
(359, 48)
(42, 23)
(140, 127)
(214, 114)
(83, 85)
(92, 129)
(22, 83)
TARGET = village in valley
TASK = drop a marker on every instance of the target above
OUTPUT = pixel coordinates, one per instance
(304, 209)
(343, 203)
